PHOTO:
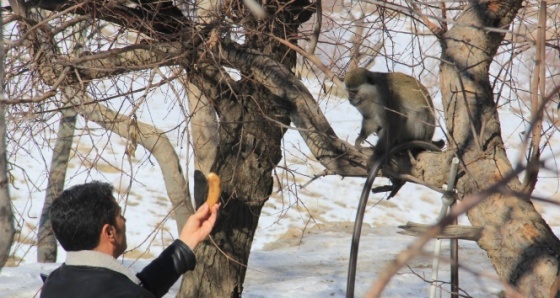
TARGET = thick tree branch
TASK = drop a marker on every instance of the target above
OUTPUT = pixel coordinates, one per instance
(335, 154)
(204, 127)
(155, 141)
(338, 156)
(118, 61)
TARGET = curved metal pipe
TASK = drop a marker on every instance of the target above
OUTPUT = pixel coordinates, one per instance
(375, 167)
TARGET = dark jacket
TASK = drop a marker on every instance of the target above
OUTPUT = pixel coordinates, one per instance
(87, 281)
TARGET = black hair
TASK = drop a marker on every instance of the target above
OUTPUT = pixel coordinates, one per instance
(79, 213)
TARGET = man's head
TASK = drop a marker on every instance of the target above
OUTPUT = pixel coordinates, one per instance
(86, 216)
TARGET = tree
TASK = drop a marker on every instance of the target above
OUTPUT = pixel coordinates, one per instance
(200, 47)
(529, 259)
(6, 215)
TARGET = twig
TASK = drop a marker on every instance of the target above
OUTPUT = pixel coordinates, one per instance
(317, 176)
(437, 31)
(314, 59)
(443, 21)
(46, 95)
(538, 90)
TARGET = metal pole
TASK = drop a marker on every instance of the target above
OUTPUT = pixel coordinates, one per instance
(454, 243)
(447, 201)
(454, 254)
(435, 268)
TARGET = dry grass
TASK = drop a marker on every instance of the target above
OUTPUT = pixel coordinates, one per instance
(13, 261)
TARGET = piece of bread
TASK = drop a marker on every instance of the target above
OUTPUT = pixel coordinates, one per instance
(214, 189)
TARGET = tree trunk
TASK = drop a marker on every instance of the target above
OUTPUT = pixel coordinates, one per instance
(519, 243)
(6, 215)
(249, 150)
(46, 244)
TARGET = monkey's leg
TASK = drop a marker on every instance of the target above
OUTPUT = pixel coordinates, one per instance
(383, 188)
(411, 157)
(395, 186)
(413, 148)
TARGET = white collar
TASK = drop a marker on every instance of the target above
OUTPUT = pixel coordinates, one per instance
(93, 258)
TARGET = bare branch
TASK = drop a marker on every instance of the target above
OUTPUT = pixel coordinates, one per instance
(437, 31)
(118, 61)
(538, 92)
(155, 141)
(313, 58)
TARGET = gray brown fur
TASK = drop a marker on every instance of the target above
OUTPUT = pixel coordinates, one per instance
(395, 106)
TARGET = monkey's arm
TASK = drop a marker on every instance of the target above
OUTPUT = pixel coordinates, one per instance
(369, 126)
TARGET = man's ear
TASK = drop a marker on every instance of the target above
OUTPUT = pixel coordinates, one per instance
(108, 232)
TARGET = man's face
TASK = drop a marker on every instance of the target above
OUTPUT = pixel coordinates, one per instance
(120, 232)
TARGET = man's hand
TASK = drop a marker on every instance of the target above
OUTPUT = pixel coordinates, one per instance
(199, 225)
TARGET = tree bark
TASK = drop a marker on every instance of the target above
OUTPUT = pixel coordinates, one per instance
(46, 244)
(204, 129)
(519, 243)
(7, 229)
(6, 215)
(249, 149)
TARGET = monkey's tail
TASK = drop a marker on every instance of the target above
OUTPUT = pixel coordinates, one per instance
(372, 174)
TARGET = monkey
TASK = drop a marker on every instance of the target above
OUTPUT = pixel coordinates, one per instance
(395, 106)
(399, 109)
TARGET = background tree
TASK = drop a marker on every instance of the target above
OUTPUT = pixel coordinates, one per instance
(6, 214)
(240, 62)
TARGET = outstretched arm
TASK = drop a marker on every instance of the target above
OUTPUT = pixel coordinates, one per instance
(178, 258)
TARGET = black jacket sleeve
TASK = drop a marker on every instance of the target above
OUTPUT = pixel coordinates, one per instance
(164, 271)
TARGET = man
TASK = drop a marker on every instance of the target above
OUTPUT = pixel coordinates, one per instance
(88, 224)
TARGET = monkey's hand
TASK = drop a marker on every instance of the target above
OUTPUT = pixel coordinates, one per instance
(359, 141)
(358, 145)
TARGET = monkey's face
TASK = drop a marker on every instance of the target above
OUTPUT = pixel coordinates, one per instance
(354, 81)
(363, 96)
(353, 95)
